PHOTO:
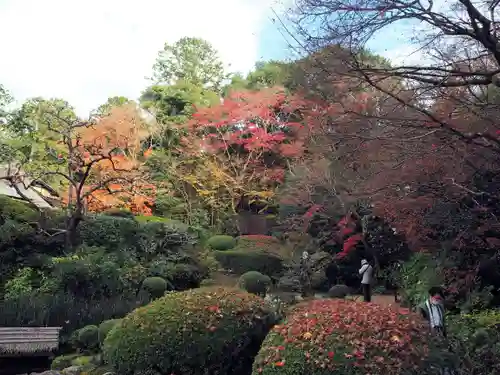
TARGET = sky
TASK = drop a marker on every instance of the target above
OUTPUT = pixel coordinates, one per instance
(87, 51)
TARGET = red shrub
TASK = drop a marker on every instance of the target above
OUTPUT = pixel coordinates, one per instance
(347, 337)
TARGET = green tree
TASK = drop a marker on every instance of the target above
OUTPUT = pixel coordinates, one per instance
(269, 74)
(33, 131)
(5, 100)
(173, 106)
(192, 60)
(113, 101)
(265, 74)
(238, 82)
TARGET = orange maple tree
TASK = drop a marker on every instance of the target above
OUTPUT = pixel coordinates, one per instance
(105, 159)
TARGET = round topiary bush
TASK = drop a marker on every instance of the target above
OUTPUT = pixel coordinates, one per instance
(155, 286)
(255, 282)
(205, 331)
(105, 327)
(221, 242)
(335, 336)
(88, 337)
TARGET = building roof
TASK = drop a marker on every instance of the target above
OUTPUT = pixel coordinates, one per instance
(28, 340)
(33, 193)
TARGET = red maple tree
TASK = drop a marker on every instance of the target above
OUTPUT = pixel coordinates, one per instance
(253, 136)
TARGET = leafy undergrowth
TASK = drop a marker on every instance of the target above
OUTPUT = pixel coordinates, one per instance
(346, 337)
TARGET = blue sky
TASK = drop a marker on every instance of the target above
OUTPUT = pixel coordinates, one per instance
(85, 51)
(273, 45)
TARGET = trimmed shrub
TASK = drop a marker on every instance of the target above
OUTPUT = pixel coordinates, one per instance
(205, 331)
(476, 340)
(221, 242)
(63, 361)
(117, 212)
(185, 276)
(239, 262)
(155, 286)
(88, 337)
(105, 327)
(255, 282)
(346, 337)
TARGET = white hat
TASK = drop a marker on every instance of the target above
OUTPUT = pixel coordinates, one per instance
(364, 261)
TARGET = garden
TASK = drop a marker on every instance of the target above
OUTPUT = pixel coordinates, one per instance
(216, 225)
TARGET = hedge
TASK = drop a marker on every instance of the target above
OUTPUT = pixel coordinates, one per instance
(255, 282)
(239, 262)
(221, 242)
(205, 331)
(155, 286)
(351, 338)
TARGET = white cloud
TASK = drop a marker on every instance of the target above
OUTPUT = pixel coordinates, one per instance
(86, 51)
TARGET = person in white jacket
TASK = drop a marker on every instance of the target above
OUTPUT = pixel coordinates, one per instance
(366, 271)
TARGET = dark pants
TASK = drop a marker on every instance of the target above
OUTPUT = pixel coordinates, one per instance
(367, 292)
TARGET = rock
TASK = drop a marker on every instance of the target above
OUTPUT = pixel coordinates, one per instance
(318, 280)
(339, 291)
(72, 370)
(48, 372)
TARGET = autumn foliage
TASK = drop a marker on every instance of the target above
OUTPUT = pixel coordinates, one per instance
(107, 157)
(250, 139)
(347, 337)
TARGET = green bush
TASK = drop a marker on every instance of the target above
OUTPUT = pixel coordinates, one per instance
(117, 212)
(63, 361)
(110, 232)
(88, 337)
(205, 331)
(84, 275)
(476, 340)
(17, 209)
(335, 336)
(105, 327)
(221, 242)
(240, 262)
(155, 286)
(185, 276)
(416, 276)
(255, 282)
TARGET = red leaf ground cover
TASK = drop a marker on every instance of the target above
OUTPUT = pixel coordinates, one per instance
(347, 337)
